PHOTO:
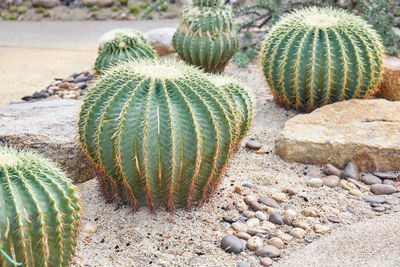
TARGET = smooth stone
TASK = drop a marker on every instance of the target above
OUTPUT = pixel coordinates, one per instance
(254, 205)
(276, 218)
(329, 169)
(321, 228)
(249, 199)
(252, 223)
(268, 251)
(334, 219)
(370, 179)
(276, 242)
(301, 225)
(266, 261)
(242, 219)
(387, 181)
(373, 204)
(331, 180)
(392, 201)
(297, 233)
(90, 228)
(231, 243)
(260, 215)
(244, 264)
(355, 192)
(383, 189)
(254, 231)
(380, 209)
(269, 202)
(239, 226)
(279, 197)
(386, 175)
(309, 212)
(241, 206)
(243, 235)
(359, 184)
(315, 182)
(351, 171)
(252, 144)
(289, 191)
(268, 225)
(249, 214)
(254, 243)
(81, 79)
(287, 219)
(285, 237)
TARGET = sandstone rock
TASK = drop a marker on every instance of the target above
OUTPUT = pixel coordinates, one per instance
(364, 131)
(161, 40)
(389, 87)
(331, 180)
(99, 3)
(48, 126)
(45, 3)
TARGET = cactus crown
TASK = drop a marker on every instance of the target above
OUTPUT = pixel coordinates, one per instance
(114, 39)
(206, 3)
(39, 211)
(317, 56)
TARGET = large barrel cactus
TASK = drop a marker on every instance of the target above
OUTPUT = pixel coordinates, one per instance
(317, 56)
(159, 133)
(39, 211)
(122, 45)
(206, 36)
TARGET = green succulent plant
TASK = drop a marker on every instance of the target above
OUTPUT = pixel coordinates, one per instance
(21, 10)
(159, 133)
(13, 9)
(39, 209)
(134, 9)
(164, 6)
(40, 10)
(206, 36)
(94, 8)
(9, 16)
(122, 45)
(316, 56)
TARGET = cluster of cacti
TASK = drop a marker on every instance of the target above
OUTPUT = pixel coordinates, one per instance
(39, 211)
(122, 45)
(161, 133)
(206, 36)
(316, 56)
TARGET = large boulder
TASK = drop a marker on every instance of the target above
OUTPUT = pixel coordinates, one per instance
(161, 40)
(389, 87)
(364, 131)
(99, 3)
(48, 126)
(45, 3)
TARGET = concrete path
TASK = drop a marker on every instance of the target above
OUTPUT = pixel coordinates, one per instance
(33, 53)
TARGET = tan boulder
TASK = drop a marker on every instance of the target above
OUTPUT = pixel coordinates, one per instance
(389, 88)
(364, 131)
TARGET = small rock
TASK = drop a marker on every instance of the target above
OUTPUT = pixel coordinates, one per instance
(329, 169)
(285, 237)
(321, 228)
(65, 85)
(266, 261)
(392, 201)
(242, 219)
(241, 206)
(279, 197)
(269, 202)
(260, 215)
(249, 214)
(252, 144)
(355, 192)
(383, 189)
(334, 219)
(298, 233)
(360, 185)
(375, 199)
(268, 225)
(244, 264)
(347, 185)
(239, 227)
(268, 251)
(387, 181)
(287, 219)
(386, 175)
(315, 182)
(255, 206)
(301, 225)
(309, 212)
(276, 218)
(228, 219)
(230, 206)
(250, 186)
(243, 235)
(331, 180)
(351, 171)
(254, 243)
(254, 231)
(276, 242)
(90, 228)
(370, 179)
(373, 204)
(379, 209)
(250, 198)
(289, 191)
(252, 223)
(223, 225)
(231, 243)
(81, 79)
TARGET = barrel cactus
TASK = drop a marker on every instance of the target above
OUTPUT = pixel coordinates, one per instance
(121, 45)
(206, 36)
(159, 134)
(317, 56)
(39, 211)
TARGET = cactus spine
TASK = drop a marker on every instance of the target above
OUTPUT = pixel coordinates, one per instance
(122, 45)
(317, 56)
(159, 133)
(206, 36)
(39, 211)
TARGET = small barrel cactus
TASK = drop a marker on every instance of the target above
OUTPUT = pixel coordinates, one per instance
(39, 211)
(121, 45)
(206, 36)
(317, 56)
(158, 133)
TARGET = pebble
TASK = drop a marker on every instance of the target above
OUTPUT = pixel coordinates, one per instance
(334, 219)
(249, 214)
(230, 206)
(289, 191)
(383, 189)
(260, 215)
(276, 242)
(253, 144)
(386, 175)
(373, 204)
(370, 179)
(285, 237)
(359, 184)
(297, 233)
(244, 264)
(351, 171)
(228, 219)
(355, 192)
(392, 201)
(81, 79)
(300, 224)
(266, 261)
(231, 243)
(380, 208)
(241, 206)
(276, 218)
(242, 219)
(279, 197)
(387, 181)
(268, 225)
(309, 213)
(252, 223)
(375, 199)
(331, 180)
(287, 219)
(329, 169)
(269, 202)
(254, 205)
(90, 228)
(239, 227)
(64, 85)
(223, 225)
(254, 243)
(249, 199)
(315, 182)
(268, 251)
(321, 228)
(254, 231)
(347, 185)
(250, 186)
(243, 235)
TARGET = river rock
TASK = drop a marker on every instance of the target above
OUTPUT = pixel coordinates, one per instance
(364, 131)
(321, 228)
(268, 251)
(239, 227)
(389, 87)
(276, 218)
(331, 180)
(298, 233)
(351, 171)
(254, 243)
(161, 40)
(374, 199)
(99, 3)
(266, 261)
(383, 189)
(386, 175)
(276, 242)
(370, 179)
(329, 169)
(231, 243)
(49, 127)
(279, 197)
(315, 182)
(269, 202)
(253, 144)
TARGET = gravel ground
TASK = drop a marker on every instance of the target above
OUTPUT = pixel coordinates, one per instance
(192, 238)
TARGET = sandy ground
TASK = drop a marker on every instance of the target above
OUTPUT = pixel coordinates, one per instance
(192, 239)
